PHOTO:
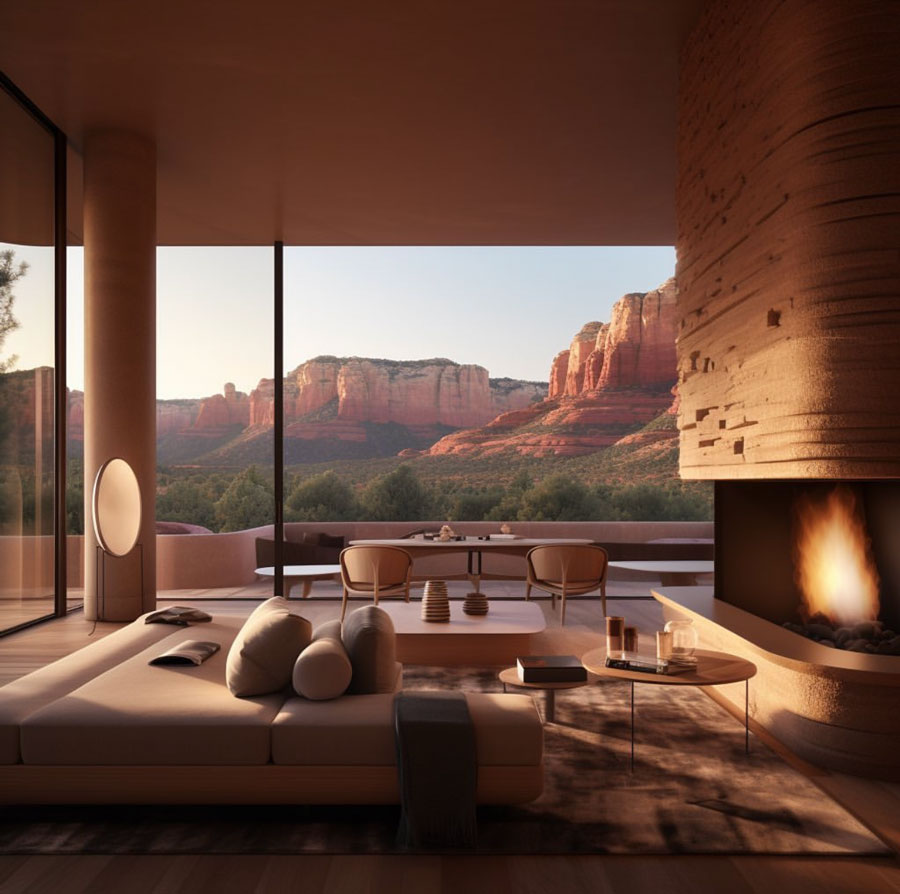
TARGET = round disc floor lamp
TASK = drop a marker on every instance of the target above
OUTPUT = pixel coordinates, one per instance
(116, 505)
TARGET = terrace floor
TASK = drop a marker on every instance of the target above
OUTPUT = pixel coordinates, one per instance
(877, 804)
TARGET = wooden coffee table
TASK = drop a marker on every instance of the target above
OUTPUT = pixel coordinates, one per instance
(509, 676)
(713, 669)
(496, 638)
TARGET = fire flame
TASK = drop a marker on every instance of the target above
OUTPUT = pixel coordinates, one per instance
(833, 561)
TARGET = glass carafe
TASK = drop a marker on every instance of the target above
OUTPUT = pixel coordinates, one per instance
(684, 637)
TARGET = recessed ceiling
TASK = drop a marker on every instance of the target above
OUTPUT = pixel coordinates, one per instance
(415, 122)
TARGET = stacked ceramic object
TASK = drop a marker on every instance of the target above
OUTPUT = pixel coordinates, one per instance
(435, 601)
(475, 604)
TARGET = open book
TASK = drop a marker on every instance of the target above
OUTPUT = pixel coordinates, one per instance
(191, 651)
(182, 615)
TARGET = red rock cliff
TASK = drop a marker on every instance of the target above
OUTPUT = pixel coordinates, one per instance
(426, 392)
(636, 347)
(613, 379)
(639, 347)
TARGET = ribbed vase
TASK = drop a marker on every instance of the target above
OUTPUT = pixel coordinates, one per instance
(435, 602)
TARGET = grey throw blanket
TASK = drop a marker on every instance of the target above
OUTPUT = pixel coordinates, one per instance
(438, 767)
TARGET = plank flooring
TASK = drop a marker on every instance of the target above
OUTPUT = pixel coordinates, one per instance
(875, 803)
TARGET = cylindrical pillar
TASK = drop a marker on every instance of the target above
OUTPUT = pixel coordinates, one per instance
(120, 357)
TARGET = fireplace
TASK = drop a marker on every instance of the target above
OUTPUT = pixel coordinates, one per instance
(832, 706)
(821, 558)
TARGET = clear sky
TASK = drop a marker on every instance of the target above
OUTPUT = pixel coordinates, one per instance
(508, 309)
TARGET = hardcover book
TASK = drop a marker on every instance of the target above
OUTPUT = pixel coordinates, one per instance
(631, 661)
(551, 669)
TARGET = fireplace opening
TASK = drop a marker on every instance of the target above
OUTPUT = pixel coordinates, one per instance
(820, 558)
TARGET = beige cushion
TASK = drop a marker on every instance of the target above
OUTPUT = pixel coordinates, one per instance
(368, 637)
(37, 689)
(329, 630)
(138, 714)
(359, 730)
(323, 670)
(261, 658)
(508, 729)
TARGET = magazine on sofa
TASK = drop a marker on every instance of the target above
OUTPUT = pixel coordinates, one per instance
(182, 615)
(191, 651)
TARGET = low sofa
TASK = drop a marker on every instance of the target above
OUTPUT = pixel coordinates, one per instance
(104, 726)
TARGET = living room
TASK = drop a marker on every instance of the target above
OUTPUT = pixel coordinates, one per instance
(759, 140)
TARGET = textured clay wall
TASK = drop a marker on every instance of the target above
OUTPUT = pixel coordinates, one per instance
(788, 204)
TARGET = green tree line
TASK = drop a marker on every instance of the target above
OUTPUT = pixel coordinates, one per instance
(245, 500)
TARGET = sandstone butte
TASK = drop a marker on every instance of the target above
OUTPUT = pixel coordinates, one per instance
(611, 381)
(406, 392)
(331, 397)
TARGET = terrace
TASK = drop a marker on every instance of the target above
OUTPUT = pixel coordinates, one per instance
(759, 139)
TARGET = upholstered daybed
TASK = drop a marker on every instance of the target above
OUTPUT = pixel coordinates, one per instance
(103, 726)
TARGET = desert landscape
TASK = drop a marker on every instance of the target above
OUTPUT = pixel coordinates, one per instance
(431, 438)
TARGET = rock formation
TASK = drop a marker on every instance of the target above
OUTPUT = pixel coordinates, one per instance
(637, 347)
(225, 410)
(612, 380)
(559, 369)
(406, 392)
(584, 346)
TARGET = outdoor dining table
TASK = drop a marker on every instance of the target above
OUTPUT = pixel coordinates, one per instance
(474, 547)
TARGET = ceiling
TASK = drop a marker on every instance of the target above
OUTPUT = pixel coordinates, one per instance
(414, 122)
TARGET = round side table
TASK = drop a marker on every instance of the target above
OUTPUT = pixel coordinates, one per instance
(509, 676)
(713, 669)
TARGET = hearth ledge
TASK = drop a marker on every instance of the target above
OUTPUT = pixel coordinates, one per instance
(834, 708)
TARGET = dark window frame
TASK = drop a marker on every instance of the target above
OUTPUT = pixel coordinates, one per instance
(60, 144)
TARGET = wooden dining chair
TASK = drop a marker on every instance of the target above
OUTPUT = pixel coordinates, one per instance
(375, 571)
(567, 571)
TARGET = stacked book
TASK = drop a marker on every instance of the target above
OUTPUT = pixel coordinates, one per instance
(631, 661)
(551, 669)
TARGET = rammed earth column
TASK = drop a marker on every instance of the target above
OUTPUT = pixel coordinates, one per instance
(120, 353)
(788, 205)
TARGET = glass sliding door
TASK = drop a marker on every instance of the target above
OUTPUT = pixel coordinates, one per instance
(27, 376)
(215, 416)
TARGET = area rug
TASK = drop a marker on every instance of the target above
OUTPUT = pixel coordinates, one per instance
(693, 790)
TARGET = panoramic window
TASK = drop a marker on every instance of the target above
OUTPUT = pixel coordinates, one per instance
(425, 386)
(27, 306)
(450, 384)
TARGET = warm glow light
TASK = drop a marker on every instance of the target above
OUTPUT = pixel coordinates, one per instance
(833, 562)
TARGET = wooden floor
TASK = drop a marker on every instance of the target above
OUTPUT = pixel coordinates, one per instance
(874, 803)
